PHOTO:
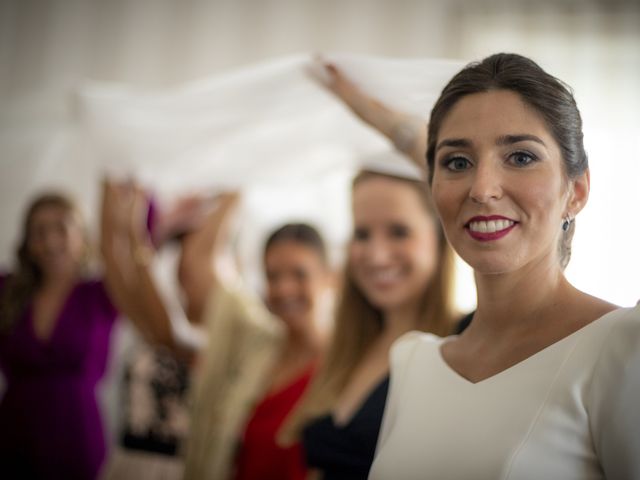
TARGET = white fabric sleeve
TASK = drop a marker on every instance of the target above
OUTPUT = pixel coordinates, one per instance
(400, 362)
(613, 401)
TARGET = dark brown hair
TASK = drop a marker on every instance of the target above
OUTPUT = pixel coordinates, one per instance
(549, 96)
(301, 233)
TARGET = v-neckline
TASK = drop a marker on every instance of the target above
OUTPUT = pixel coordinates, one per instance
(301, 375)
(47, 341)
(356, 412)
(518, 365)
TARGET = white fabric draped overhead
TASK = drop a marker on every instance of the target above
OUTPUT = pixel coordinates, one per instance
(270, 130)
(268, 123)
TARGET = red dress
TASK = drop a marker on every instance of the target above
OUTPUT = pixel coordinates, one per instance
(260, 458)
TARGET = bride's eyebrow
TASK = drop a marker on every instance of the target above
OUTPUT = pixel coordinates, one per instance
(511, 139)
(454, 142)
(502, 140)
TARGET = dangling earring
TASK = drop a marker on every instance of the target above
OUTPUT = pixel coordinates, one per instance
(566, 223)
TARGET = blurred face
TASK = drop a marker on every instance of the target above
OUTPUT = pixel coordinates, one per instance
(296, 278)
(55, 240)
(394, 250)
(499, 183)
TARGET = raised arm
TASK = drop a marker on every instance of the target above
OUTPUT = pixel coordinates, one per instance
(202, 248)
(408, 133)
(127, 253)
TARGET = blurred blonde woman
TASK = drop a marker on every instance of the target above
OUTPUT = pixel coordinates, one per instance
(398, 277)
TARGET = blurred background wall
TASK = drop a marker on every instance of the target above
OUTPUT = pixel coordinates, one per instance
(48, 48)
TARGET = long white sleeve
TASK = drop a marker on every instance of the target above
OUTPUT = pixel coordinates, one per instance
(614, 402)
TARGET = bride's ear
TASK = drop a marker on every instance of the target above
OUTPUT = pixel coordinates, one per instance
(579, 193)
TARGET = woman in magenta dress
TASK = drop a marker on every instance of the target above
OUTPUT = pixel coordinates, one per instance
(55, 326)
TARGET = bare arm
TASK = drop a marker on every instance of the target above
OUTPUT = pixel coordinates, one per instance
(200, 250)
(407, 132)
(127, 254)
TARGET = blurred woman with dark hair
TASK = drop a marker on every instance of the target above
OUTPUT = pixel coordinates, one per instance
(255, 357)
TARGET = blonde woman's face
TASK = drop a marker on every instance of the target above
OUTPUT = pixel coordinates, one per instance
(56, 240)
(394, 250)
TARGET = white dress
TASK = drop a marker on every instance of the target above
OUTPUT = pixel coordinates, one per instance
(571, 411)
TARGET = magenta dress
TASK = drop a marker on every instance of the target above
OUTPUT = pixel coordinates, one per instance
(50, 423)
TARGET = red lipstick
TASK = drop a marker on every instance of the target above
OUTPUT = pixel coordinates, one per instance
(489, 236)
